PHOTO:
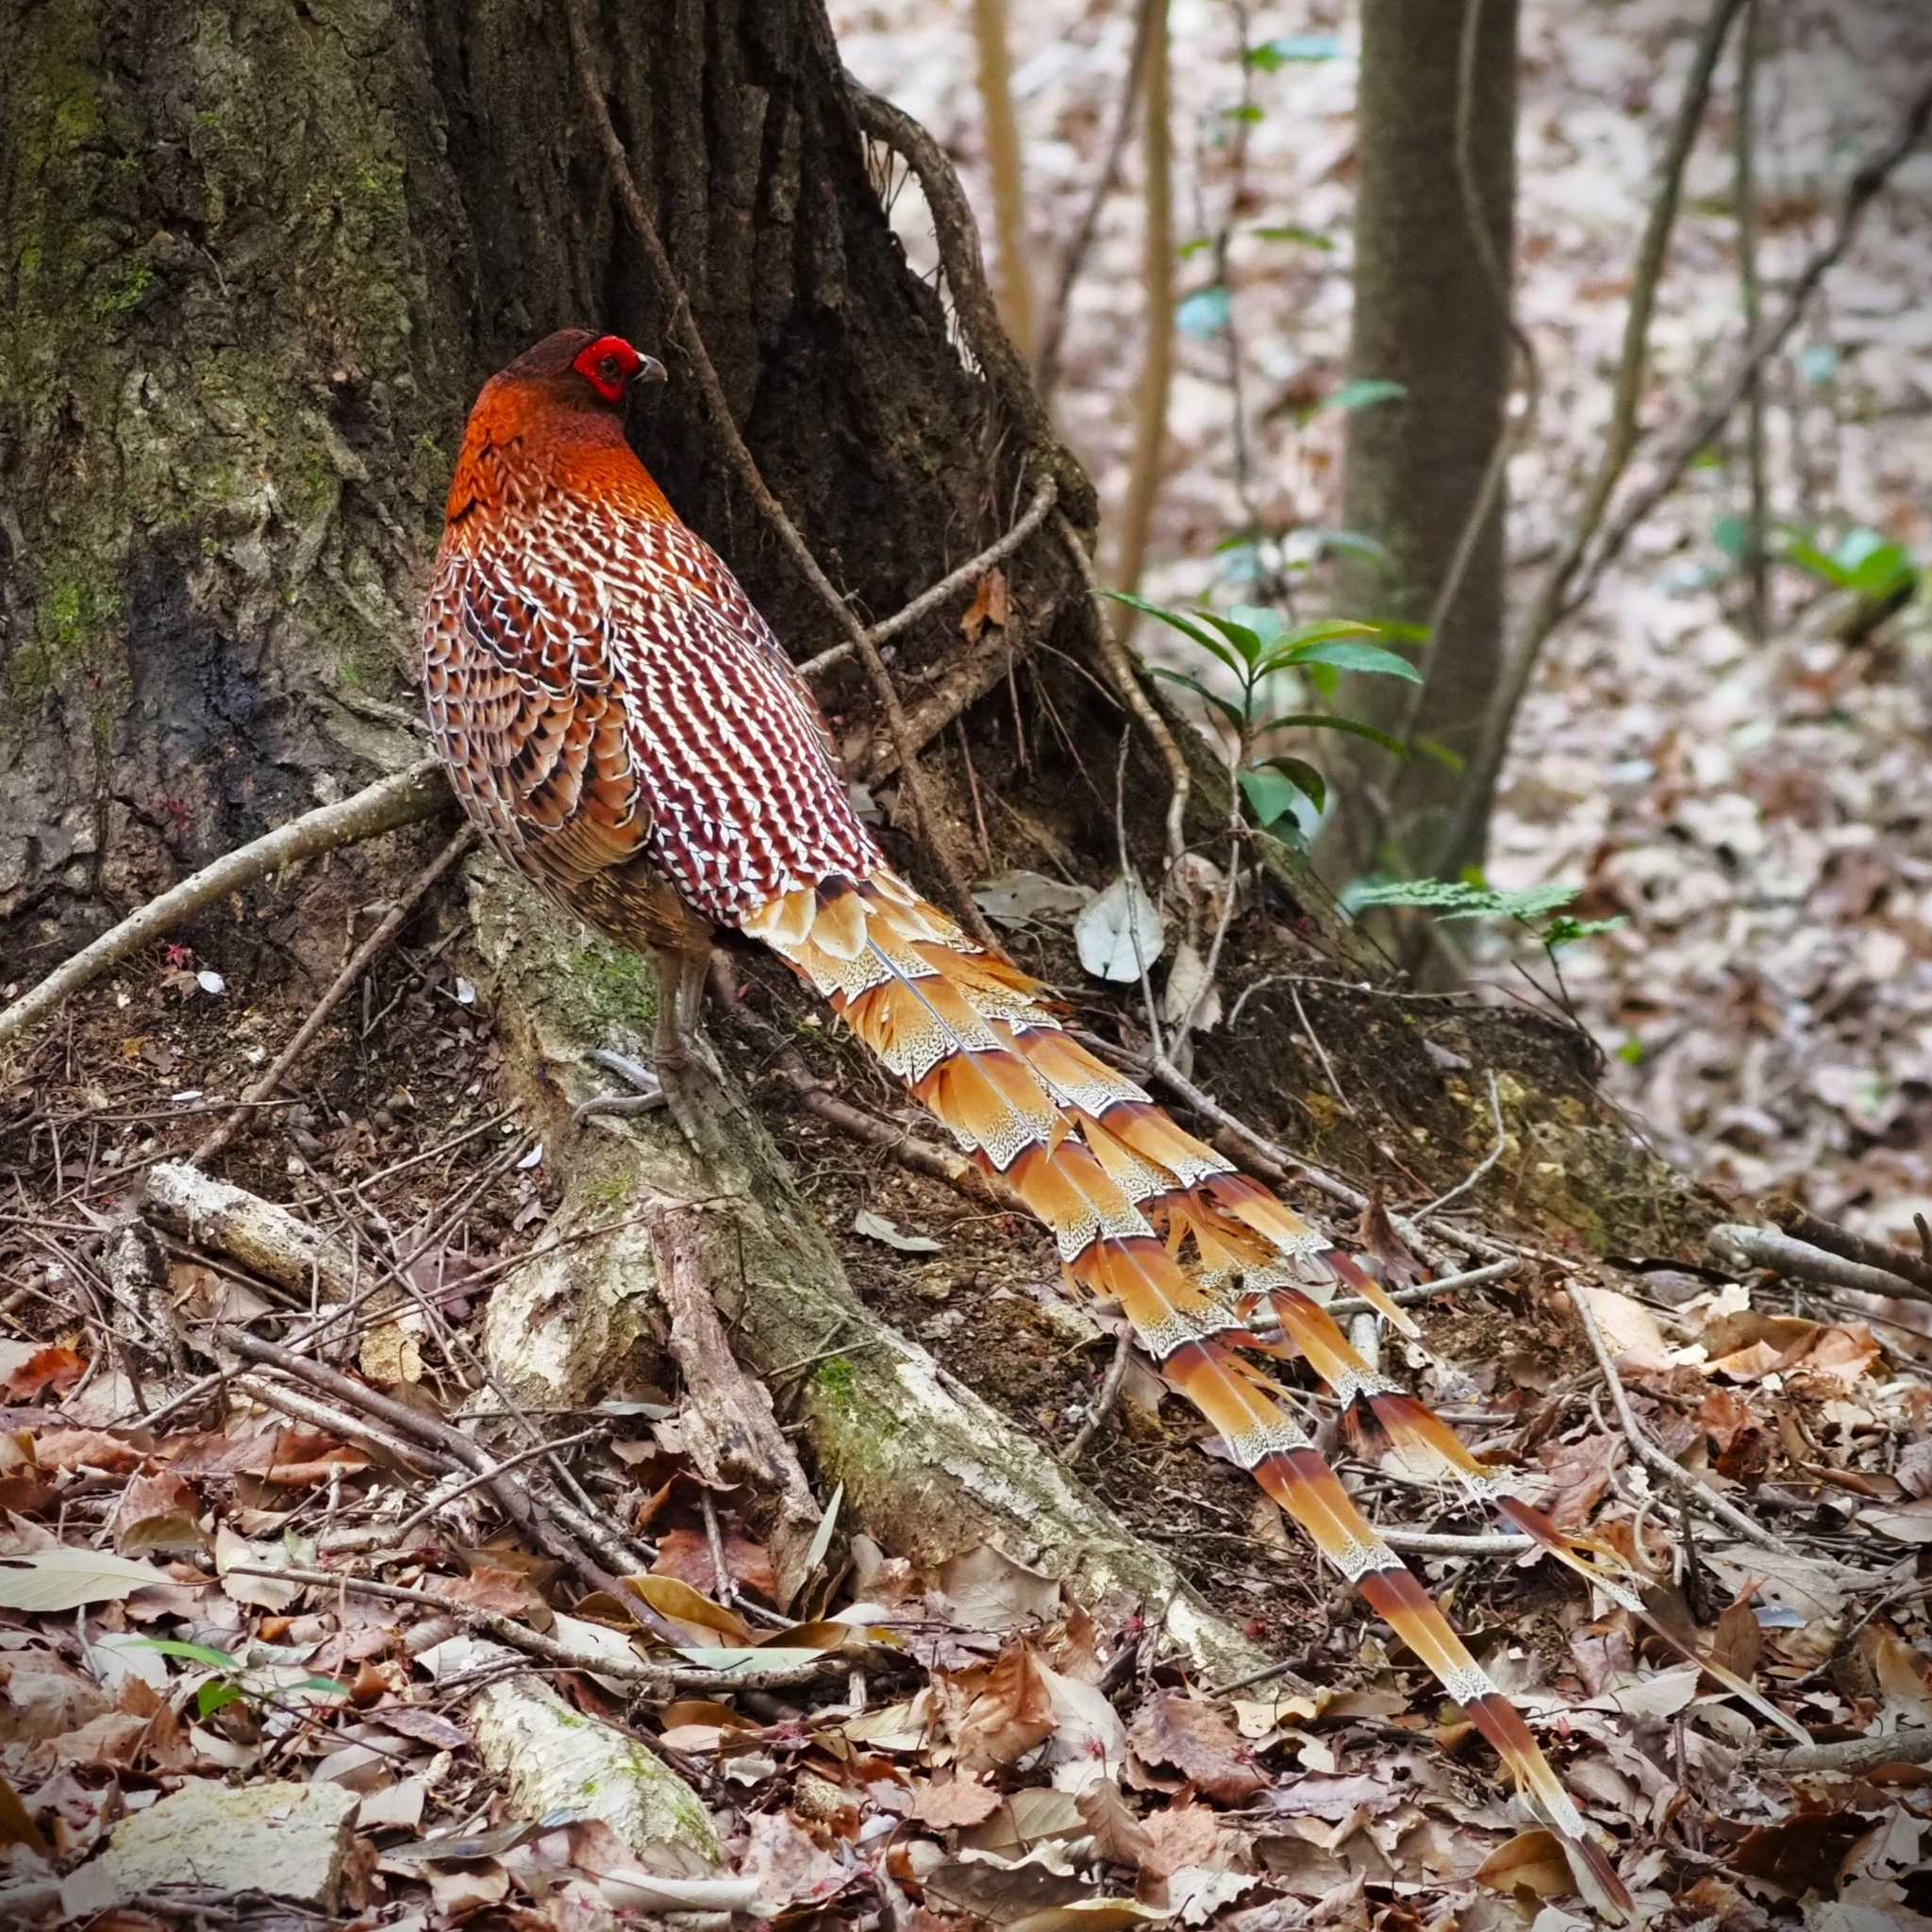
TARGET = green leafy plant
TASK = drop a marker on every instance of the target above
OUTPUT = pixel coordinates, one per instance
(1871, 566)
(1259, 649)
(234, 1682)
(1537, 909)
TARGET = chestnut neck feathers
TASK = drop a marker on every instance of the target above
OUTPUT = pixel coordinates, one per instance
(533, 436)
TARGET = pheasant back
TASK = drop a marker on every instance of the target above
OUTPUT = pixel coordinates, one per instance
(621, 724)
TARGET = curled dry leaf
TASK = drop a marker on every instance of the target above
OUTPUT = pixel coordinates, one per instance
(31, 1370)
(1118, 1835)
(1532, 1861)
(1120, 932)
(1197, 1738)
(1012, 1712)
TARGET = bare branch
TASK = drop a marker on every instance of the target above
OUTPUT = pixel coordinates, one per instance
(400, 800)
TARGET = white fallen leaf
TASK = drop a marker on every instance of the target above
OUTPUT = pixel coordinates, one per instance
(466, 993)
(531, 1158)
(1120, 932)
(63, 1579)
(876, 1228)
(210, 982)
(235, 1553)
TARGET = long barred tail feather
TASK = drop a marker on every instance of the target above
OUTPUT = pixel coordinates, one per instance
(1149, 1218)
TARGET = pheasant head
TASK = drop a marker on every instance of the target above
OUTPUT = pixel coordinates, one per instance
(554, 420)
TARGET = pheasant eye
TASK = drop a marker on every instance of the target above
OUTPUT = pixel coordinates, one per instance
(610, 369)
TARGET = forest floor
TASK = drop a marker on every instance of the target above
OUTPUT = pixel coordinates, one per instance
(191, 1626)
(1756, 811)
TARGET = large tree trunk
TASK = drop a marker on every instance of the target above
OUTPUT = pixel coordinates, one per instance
(1429, 315)
(259, 256)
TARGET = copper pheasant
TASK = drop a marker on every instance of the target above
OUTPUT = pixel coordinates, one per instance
(622, 726)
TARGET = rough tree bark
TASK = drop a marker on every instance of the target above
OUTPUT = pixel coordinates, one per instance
(1428, 314)
(259, 254)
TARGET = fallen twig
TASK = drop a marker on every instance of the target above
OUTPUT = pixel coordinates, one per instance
(1647, 1452)
(1103, 1402)
(392, 923)
(1764, 1247)
(1828, 1235)
(655, 1678)
(511, 1495)
(1858, 1754)
(1481, 1168)
(400, 800)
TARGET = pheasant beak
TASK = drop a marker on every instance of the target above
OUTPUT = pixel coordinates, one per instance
(650, 370)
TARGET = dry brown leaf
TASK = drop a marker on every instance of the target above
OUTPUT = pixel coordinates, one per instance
(1738, 1642)
(1197, 1738)
(1636, 1342)
(87, 1449)
(1532, 1861)
(29, 1370)
(787, 1867)
(1580, 1473)
(988, 1590)
(1118, 1835)
(989, 606)
(1180, 1836)
(156, 1512)
(17, 1826)
(1011, 1713)
(686, 1554)
(702, 1621)
(958, 1800)
(1902, 1675)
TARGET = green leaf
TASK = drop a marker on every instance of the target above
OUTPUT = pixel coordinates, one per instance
(1303, 776)
(1192, 247)
(1885, 572)
(216, 1694)
(1270, 57)
(1245, 638)
(1247, 110)
(1434, 748)
(1350, 654)
(1818, 361)
(1261, 619)
(1270, 794)
(1185, 625)
(1231, 712)
(1357, 542)
(1364, 392)
(1287, 231)
(1330, 721)
(1872, 565)
(1732, 535)
(1205, 312)
(195, 1652)
(332, 1687)
(1799, 549)
(1459, 898)
(1631, 1052)
(1564, 931)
